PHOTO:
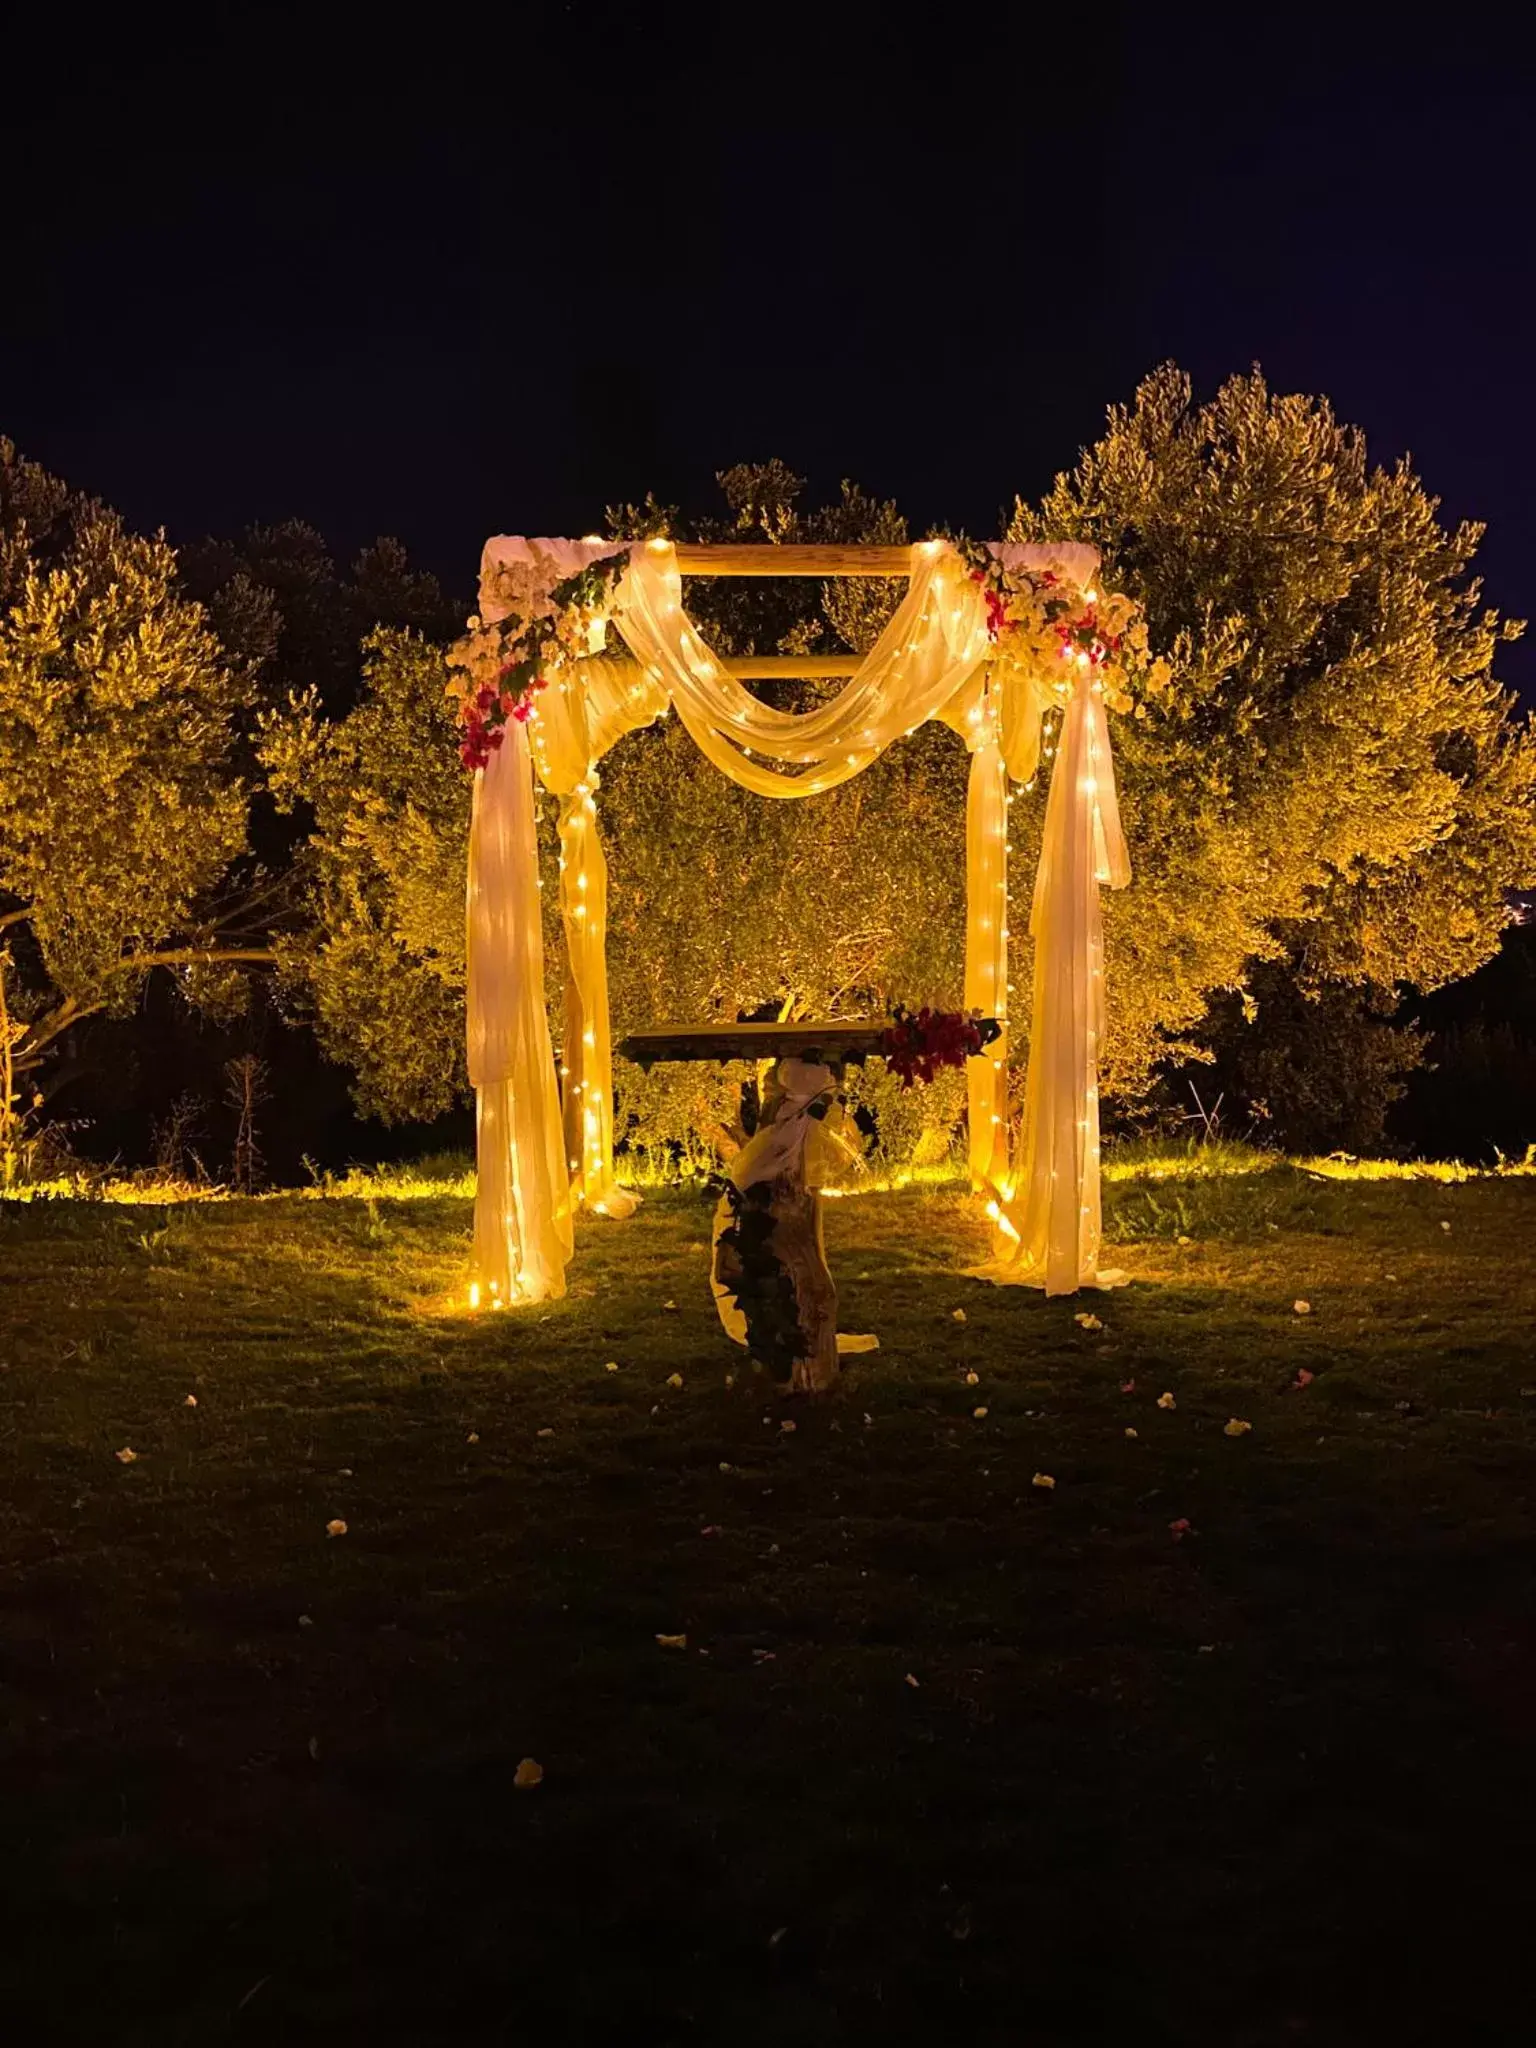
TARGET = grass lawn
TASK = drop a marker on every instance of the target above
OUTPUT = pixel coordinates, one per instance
(948, 1756)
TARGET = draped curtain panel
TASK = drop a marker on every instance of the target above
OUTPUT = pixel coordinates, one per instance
(545, 1151)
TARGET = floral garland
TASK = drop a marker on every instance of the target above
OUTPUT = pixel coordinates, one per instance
(916, 1044)
(1040, 621)
(498, 668)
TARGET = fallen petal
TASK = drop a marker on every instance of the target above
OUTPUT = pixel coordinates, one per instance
(336, 1528)
(528, 1774)
(1236, 1427)
(126, 1456)
(1044, 1481)
(673, 1642)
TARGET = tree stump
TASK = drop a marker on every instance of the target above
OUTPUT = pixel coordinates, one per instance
(797, 1242)
(770, 1257)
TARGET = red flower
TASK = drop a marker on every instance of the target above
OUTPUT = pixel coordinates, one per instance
(915, 1047)
(997, 604)
(479, 742)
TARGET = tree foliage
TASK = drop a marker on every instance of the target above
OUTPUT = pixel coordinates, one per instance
(121, 811)
(718, 903)
(1334, 795)
(284, 607)
(379, 963)
(1336, 781)
(1330, 805)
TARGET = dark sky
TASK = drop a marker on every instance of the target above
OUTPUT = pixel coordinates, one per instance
(466, 274)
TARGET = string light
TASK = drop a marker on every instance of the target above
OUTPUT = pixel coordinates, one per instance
(686, 654)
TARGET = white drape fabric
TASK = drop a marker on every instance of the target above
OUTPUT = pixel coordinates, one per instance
(986, 948)
(540, 1158)
(1049, 1218)
(932, 645)
(523, 1197)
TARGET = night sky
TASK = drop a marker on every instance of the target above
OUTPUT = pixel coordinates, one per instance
(451, 278)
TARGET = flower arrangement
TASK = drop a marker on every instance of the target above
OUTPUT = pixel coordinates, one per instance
(1041, 621)
(498, 668)
(917, 1043)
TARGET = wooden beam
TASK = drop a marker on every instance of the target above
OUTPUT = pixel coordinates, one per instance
(735, 558)
(748, 665)
(833, 1043)
(719, 1042)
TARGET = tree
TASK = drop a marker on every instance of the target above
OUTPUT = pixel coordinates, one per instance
(1332, 802)
(1336, 782)
(379, 964)
(122, 814)
(857, 895)
(282, 606)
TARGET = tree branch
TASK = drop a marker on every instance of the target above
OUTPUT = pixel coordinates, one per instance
(41, 1034)
(193, 956)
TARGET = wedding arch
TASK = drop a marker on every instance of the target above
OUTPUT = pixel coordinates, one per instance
(991, 640)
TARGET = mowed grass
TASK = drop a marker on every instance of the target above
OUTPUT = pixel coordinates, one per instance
(948, 1755)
